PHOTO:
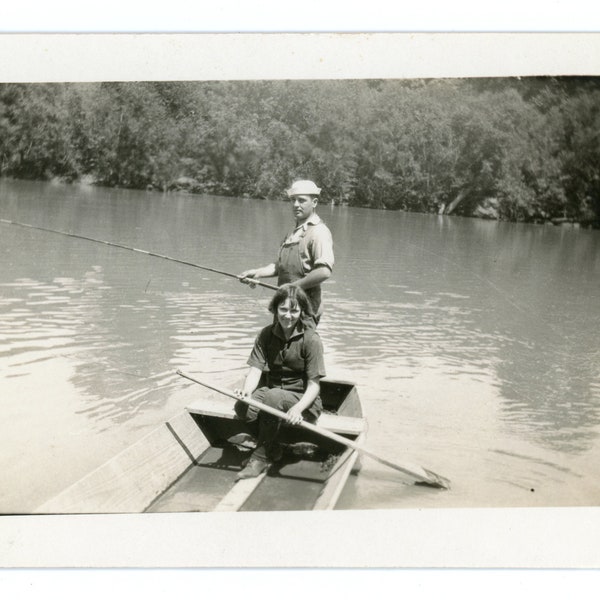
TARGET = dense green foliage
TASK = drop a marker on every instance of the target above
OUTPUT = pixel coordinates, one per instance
(514, 149)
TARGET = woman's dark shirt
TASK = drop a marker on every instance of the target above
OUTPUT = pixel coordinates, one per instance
(290, 364)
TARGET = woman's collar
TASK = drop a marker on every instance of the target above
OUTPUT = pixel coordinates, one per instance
(297, 331)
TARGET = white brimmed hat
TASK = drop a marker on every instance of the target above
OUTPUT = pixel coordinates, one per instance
(304, 187)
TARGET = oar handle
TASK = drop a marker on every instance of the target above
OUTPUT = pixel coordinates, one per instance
(419, 474)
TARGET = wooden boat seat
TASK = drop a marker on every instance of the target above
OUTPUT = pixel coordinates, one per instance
(219, 407)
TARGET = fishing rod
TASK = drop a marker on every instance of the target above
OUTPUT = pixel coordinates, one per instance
(147, 252)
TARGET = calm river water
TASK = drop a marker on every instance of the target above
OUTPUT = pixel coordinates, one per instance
(475, 345)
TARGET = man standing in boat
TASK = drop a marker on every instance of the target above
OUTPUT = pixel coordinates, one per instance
(306, 254)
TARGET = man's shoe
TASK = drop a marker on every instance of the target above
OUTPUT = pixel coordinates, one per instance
(254, 468)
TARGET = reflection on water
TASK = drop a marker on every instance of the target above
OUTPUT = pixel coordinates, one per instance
(474, 344)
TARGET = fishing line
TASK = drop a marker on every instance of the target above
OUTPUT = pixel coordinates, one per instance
(483, 279)
(527, 310)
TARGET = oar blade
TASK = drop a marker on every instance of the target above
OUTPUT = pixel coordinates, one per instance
(434, 480)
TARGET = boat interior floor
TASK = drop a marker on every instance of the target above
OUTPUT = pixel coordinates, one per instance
(294, 483)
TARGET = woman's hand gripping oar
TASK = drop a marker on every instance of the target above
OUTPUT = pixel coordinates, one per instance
(418, 474)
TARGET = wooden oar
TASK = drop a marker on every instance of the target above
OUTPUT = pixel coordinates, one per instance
(148, 253)
(420, 475)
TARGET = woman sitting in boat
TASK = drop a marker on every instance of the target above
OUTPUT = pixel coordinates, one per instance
(292, 357)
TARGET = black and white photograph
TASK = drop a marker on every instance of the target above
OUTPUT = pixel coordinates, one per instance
(361, 296)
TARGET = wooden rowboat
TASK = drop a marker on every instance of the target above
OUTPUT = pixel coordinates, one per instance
(188, 464)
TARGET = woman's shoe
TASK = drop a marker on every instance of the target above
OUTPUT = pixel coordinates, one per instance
(244, 441)
(253, 468)
(304, 449)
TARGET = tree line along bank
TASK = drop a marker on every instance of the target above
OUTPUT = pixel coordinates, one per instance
(517, 149)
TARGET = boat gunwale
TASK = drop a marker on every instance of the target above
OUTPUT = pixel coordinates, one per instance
(106, 476)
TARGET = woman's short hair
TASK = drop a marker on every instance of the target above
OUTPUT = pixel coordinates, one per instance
(296, 295)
